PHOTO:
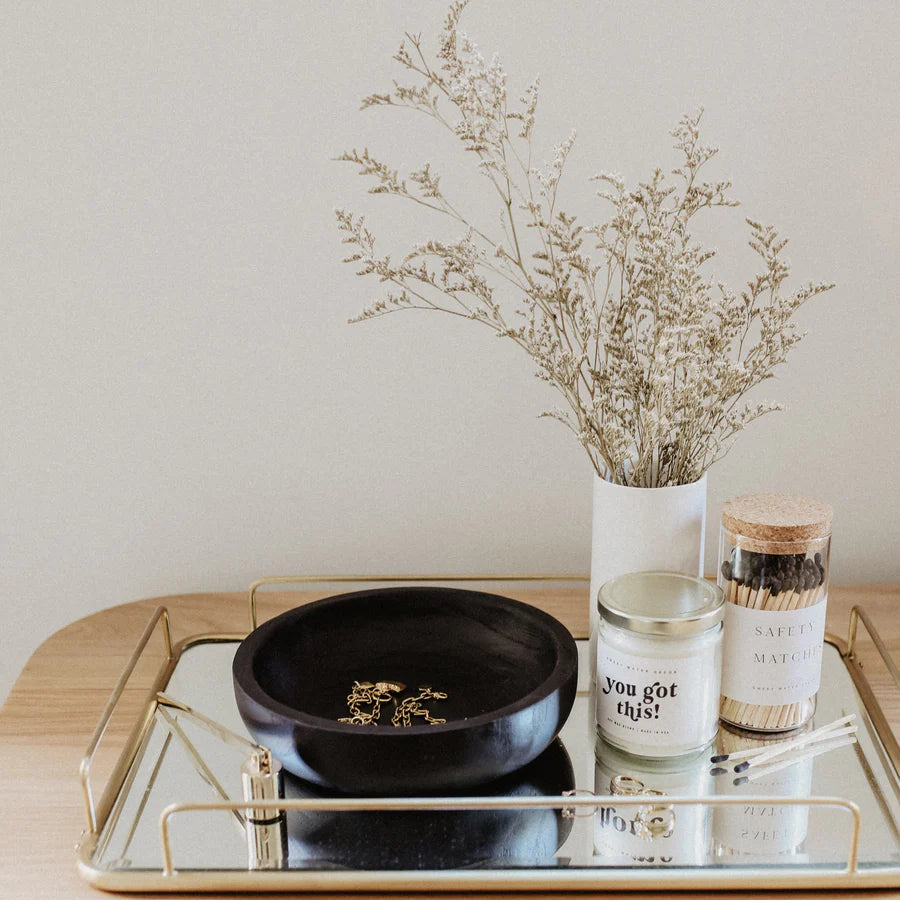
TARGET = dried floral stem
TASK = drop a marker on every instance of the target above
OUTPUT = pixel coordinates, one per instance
(652, 356)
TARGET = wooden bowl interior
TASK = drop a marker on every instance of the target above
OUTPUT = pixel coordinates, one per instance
(485, 655)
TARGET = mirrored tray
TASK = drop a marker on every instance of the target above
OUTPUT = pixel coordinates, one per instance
(173, 816)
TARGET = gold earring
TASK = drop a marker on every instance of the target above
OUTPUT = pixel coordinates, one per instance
(657, 821)
(654, 821)
(625, 786)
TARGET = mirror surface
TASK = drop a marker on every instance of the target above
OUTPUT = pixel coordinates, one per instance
(188, 764)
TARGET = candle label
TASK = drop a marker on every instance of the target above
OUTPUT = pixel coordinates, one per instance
(649, 702)
(770, 657)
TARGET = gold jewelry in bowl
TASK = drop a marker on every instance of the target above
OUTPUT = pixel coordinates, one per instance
(366, 693)
(366, 699)
(412, 706)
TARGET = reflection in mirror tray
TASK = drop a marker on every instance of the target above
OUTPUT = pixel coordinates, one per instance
(580, 845)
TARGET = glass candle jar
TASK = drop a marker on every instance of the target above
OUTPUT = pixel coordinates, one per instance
(659, 639)
(773, 568)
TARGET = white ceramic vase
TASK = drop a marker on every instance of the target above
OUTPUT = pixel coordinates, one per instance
(644, 529)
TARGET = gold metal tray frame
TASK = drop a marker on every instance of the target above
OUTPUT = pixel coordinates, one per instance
(171, 879)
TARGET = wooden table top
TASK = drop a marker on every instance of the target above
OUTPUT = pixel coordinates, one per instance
(53, 708)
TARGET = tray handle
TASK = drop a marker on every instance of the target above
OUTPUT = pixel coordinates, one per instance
(161, 613)
(857, 615)
(863, 685)
(571, 803)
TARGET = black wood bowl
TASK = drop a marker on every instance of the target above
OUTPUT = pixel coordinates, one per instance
(509, 671)
(448, 839)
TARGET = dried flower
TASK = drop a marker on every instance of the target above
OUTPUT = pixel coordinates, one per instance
(651, 354)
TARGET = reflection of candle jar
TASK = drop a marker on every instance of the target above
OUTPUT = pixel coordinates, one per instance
(659, 640)
(620, 833)
(763, 830)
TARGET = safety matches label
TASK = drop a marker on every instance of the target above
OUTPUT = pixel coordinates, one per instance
(771, 657)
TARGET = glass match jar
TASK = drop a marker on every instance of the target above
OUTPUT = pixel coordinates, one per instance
(773, 569)
(659, 642)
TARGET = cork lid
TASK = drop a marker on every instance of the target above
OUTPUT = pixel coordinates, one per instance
(777, 517)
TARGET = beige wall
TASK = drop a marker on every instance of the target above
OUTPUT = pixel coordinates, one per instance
(184, 405)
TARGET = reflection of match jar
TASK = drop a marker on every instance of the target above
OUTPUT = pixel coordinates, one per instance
(773, 567)
(761, 830)
(659, 640)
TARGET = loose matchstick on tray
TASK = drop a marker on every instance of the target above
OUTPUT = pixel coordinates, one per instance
(800, 744)
(757, 756)
(815, 750)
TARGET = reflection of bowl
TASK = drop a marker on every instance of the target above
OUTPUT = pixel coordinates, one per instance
(508, 669)
(438, 840)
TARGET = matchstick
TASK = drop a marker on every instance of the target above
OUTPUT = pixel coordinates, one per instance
(813, 738)
(773, 748)
(810, 753)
